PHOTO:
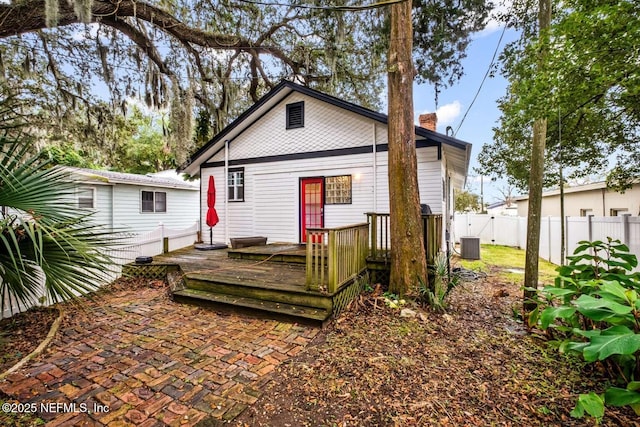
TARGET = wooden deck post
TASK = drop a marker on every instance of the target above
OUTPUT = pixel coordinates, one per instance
(332, 257)
(373, 220)
(309, 269)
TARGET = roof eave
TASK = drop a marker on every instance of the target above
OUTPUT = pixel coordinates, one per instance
(192, 166)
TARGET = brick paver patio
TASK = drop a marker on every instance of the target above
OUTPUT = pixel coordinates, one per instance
(136, 358)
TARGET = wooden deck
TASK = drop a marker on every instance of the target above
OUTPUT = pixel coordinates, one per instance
(266, 278)
(227, 264)
(312, 281)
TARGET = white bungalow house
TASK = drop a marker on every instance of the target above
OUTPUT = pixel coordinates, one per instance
(503, 208)
(136, 203)
(299, 158)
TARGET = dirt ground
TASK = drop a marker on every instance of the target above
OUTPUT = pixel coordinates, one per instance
(22, 333)
(474, 365)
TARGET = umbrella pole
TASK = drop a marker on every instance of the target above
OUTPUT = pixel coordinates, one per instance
(211, 235)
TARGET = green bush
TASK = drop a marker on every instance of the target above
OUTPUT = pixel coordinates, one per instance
(593, 310)
(435, 293)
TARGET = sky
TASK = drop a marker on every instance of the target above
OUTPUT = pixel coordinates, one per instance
(455, 101)
(483, 115)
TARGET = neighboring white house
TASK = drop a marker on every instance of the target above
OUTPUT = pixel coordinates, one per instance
(589, 199)
(503, 208)
(136, 203)
(299, 158)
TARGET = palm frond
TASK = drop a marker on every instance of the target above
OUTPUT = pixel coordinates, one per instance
(33, 188)
(46, 244)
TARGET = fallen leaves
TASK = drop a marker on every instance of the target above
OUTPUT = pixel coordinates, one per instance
(472, 366)
(22, 333)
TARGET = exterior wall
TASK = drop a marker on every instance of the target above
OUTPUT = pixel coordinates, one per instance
(182, 209)
(599, 200)
(325, 128)
(447, 200)
(271, 189)
(272, 194)
(103, 208)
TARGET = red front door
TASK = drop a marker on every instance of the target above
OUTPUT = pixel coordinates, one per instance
(311, 205)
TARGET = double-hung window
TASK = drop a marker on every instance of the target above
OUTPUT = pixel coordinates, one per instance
(235, 185)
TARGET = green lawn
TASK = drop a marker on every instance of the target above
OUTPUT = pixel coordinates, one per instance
(506, 258)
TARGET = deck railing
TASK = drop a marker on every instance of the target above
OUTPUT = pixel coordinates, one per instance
(380, 235)
(336, 255)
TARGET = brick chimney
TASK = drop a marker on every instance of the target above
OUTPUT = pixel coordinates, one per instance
(428, 121)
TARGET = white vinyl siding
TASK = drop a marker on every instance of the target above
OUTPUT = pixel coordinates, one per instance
(271, 189)
(181, 208)
(276, 206)
(268, 136)
(271, 206)
(102, 212)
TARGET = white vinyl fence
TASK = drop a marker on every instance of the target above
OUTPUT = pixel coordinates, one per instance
(152, 243)
(512, 231)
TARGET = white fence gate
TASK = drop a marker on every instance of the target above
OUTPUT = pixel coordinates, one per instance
(512, 231)
(134, 245)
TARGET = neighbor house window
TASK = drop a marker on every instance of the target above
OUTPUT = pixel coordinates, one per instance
(86, 197)
(337, 190)
(586, 212)
(154, 201)
(295, 115)
(235, 185)
(618, 212)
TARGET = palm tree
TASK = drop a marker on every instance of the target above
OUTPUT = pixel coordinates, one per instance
(44, 238)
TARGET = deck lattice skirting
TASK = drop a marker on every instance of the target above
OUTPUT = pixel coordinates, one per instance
(146, 271)
(342, 299)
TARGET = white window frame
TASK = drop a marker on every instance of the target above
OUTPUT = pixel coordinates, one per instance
(154, 201)
(80, 190)
(235, 185)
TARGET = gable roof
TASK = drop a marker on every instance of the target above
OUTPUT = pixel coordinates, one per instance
(110, 177)
(460, 151)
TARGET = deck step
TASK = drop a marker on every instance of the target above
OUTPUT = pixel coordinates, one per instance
(283, 257)
(284, 293)
(291, 253)
(252, 303)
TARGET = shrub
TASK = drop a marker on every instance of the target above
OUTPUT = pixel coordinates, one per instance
(593, 310)
(443, 281)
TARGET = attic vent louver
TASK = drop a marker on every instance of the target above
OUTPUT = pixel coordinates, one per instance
(295, 115)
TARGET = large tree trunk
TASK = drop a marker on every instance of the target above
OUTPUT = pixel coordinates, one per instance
(535, 181)
(408, 262)
(534, 215)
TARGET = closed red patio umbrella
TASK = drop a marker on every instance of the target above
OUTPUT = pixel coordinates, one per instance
(212, 215)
